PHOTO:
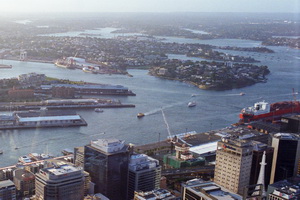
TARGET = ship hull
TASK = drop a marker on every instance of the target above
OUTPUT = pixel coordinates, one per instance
(246, 117)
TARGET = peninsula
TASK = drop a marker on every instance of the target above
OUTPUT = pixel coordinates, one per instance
(212, 75)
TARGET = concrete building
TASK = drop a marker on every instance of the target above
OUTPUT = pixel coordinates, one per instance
(25, 182)
(206, 190)
(7, 190)
(31, 79)
(106, 160)
(20, 93)
(233, 164)
(286, 156)
(285, 189)
(159, 194)
(61, 182)
(144, 174)
(292, 123)
(79, 156)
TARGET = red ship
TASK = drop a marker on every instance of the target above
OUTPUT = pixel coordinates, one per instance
(264, 110)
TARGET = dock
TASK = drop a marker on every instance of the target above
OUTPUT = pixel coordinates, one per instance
(63, 104)
(40, 119)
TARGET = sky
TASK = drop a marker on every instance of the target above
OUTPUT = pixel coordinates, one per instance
(150, 6)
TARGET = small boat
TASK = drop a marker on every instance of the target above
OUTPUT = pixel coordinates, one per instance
(192, 104)
(98, 110)
(242, 94)
(193, 95)
(1, 152)
(25, 159)
(140, 115)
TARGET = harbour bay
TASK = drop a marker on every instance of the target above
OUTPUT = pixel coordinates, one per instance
(214, 110)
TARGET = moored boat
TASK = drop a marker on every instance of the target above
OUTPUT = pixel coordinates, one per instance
(263, 110)
(25, 159)
(98, 110)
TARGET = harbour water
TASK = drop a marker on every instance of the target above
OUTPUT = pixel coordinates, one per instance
(214, 110)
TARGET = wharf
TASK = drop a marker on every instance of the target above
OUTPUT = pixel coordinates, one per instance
(9, 127)
(13, 106)
(40, 119)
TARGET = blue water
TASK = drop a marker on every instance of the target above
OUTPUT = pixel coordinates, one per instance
(214, 110)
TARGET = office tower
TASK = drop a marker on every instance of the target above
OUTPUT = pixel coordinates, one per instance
(233, 164)
(60, 182)
(25, 182)
(7, 190)
(258, 151)
(144, 174)
(286, 156)
(106, 160)
(202, 190)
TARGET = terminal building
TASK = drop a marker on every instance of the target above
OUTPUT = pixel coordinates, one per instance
(47, 118)
(61, 182)
(144, 174)
(106, 160)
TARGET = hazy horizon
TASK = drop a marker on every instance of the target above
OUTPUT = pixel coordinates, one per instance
(261, 6)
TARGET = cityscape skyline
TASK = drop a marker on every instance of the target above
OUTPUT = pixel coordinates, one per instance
(289, 6)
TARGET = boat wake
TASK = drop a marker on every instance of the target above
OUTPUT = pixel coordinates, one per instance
(158, 110)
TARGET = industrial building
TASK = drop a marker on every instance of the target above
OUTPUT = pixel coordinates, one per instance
(47, 118)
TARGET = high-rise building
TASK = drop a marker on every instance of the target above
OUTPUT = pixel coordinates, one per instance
(286, 156)
(25, 182)
(79, 156)
(7, 190)
(144, 174)
(233, 164)
(258, 151)
(198, 189)
(106, 160)
(60, 182)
